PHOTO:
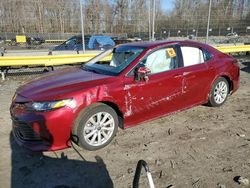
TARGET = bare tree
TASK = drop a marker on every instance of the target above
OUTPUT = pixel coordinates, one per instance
(123, 16)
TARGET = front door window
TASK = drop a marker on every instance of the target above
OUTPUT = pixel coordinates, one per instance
(161, 60)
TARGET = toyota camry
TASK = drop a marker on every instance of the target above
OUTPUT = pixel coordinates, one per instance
(119, 88)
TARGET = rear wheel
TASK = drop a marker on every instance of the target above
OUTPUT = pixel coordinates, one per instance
(96, 127)
(219, 92)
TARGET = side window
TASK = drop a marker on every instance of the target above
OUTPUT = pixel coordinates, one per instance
(192, 56)
(79, 40)
(207, 55)
(71, 42)
(161, 60)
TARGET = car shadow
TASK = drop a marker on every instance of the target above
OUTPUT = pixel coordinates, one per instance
(245, 67)
(31, 169)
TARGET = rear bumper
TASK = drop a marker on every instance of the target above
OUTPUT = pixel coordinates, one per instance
(236, 80)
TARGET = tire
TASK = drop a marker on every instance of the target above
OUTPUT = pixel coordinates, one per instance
(95, 127)
(219, 92)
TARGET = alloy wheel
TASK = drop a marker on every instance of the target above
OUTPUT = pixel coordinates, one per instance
(220, 92)
(99, 128)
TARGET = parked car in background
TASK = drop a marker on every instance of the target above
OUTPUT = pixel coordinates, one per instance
(35, 40)
(134, 39)
(91, 43)
(29, 41)
(120, 87)
(120, 40)
(232, 38)
(73, 43)
(100, 42)
(123, 40)
(234, 34)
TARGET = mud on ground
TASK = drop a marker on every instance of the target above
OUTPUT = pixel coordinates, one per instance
(200, 147)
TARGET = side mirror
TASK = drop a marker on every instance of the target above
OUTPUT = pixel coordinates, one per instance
(141, 74)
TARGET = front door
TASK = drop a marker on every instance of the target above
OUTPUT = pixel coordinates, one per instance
(159, 95)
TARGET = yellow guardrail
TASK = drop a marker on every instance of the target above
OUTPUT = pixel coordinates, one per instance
(80, 58)
(43, 60)
(234, 49)
(47, 60)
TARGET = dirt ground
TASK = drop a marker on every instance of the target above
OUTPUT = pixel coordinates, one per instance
(200, 147)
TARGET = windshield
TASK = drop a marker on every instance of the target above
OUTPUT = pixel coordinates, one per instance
(71, 42)
(113, 61)
(74, 40)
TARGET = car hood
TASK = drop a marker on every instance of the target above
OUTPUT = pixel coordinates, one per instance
(56, 85)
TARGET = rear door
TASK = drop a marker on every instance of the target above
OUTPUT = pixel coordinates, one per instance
(196, 75)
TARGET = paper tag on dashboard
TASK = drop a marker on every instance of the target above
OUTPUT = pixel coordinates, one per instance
(170, 52)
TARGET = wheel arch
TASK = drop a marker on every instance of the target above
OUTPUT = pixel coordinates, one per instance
(116, 108)
(229, 81)
(74, 126)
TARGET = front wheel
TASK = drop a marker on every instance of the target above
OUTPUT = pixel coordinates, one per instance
(96, 127)
(219, 92)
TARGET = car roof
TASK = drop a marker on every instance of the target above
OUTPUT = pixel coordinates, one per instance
(80, 36)
(156, 44)
(149, 44)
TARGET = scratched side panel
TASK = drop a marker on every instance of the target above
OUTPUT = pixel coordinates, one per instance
(196, 81)
(146, 100)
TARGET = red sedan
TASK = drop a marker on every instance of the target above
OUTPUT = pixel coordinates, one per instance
(134, 83)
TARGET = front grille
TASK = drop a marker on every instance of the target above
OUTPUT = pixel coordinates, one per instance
(24, 131)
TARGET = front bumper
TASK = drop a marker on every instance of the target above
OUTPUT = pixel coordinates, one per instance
(43, 131)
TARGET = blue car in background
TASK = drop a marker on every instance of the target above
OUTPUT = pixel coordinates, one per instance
(98, 42)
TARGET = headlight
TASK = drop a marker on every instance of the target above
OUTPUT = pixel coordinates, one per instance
(46, 106)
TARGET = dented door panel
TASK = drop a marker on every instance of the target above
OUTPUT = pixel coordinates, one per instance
(196, 78)
(161, 94)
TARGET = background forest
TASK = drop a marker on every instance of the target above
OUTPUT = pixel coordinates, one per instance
(129, 17)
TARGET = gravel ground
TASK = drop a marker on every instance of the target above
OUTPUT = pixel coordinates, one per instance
(200, 147)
